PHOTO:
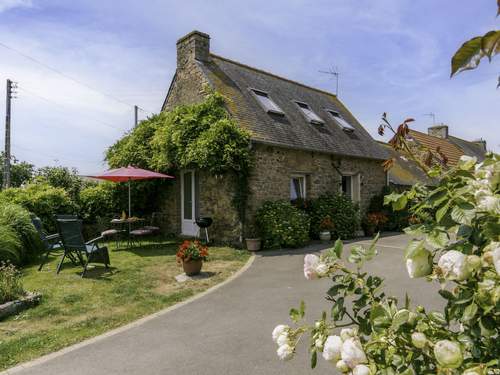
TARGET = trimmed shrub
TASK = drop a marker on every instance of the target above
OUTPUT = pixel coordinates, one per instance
(282, 225)
(41, 199)
(10, 245)
(18, 219)
(98, 200)
(342, 211)
(397, 220)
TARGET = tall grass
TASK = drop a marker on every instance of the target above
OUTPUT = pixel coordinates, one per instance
(19, 240)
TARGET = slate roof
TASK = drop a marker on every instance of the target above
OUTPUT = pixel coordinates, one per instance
(234, 80)
(404, 171)
(452, 147)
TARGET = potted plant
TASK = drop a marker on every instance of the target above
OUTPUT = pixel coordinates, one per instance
(325, 229)
(253, 242)
(374, 222)
(192, 254)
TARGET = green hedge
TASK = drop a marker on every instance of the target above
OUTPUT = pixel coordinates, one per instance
(282, 225)
(343, 212)
(41, 199)
(98, 200)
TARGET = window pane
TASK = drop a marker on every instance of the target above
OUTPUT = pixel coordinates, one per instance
(341, 121)
(188, 196)
(346, 185)
(268, 104)
(309, 113)
(297, 188)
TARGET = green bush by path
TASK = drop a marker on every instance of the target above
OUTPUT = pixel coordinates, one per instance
(282, 225)
(41, 199)
(18, 219)
(10, 283)
(343, 212)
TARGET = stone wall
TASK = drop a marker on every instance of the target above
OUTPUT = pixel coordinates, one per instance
(274, 166)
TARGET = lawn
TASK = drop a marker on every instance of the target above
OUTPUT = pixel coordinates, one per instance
(140, 282)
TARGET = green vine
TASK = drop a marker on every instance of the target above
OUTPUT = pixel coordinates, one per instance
(201, 136)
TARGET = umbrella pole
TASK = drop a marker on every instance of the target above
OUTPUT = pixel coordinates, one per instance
(129, 200)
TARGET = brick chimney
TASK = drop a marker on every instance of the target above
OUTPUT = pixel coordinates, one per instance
(440, 131)
(481, 143)
(191, 47)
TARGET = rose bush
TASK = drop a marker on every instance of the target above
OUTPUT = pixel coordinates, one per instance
(457, 244)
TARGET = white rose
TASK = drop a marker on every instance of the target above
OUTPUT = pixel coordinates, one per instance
(283, 339)
(347, 333)
(490, 203)
(318, 344)
(279, 330)
(473, 371)
(332, 348)
(361, 370)
(448, 354)
(420, 265)
(466, 162)
(352, 352)
(285, 352)
(310, 264)
(321, 269)
(454, 266)
(342, 366)
(495, 252)
(418, 339)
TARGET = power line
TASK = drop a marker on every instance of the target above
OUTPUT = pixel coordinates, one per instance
(70, 77)
(65, 109)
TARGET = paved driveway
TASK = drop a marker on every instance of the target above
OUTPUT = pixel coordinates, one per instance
(229, 331)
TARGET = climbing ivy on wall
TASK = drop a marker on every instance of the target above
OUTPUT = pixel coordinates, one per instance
(199, 136)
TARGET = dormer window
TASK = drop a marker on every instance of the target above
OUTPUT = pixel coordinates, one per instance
(309, 114)
(267, 103)
(337, 117)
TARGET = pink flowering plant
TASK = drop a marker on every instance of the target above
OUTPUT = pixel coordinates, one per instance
(456, 243)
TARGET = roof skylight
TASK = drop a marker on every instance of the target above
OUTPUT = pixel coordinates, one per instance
(341, 121)
(267, 103)
(310, 115)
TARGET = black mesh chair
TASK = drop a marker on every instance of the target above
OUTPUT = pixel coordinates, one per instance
(73, 243)
(51, 242)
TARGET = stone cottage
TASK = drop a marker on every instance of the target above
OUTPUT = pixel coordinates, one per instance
(305, 141)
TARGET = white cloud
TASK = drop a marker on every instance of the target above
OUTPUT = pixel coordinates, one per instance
(6, 5)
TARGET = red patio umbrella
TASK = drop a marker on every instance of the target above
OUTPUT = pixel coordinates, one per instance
(127, 174)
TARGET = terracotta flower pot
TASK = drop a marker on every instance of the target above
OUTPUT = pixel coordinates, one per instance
(253, 244)
(192, 267)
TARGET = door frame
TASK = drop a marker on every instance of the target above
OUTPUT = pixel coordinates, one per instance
(188, 226)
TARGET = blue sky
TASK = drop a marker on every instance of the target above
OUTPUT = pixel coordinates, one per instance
(393, 56)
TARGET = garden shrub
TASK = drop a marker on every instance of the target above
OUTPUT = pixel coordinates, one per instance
(10, 283)
(282, 225)
(18, 219)
(98, 200)
(396, 220)
(41, 199)
(10, 245)
(342, 211)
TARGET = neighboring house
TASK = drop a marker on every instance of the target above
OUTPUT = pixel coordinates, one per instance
(305, 141)
(405, 172)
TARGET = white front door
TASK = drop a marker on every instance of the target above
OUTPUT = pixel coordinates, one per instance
(188, 199)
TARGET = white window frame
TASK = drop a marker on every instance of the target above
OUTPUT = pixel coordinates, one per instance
(255, 93)
(348, 128)
(314, 118)
(355, 186)
(303, 184)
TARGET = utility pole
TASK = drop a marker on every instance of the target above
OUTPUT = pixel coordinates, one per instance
(11, 86)
(136, 115)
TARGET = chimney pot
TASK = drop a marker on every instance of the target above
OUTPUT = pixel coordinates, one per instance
(482, 143)
(440, 131)
(193, 46)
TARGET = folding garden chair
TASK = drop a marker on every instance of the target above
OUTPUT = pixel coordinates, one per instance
(72, 240)
(51, 242)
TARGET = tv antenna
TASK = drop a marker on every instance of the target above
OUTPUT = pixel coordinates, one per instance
(334, 72)
(433, 116)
